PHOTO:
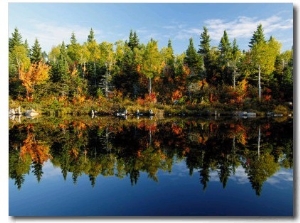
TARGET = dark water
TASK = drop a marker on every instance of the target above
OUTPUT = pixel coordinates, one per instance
(78, 166)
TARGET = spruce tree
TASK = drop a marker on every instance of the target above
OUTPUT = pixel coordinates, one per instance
(91, 36)
(133, 40)
(204, 43)
(15, 40)
(224, 46)
(257, 37)
(36, 54)
(192, 59)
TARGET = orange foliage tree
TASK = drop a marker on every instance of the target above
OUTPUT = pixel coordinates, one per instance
(39, 152)
(37, 74)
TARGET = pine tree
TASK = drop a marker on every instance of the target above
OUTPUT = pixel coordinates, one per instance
(192, 59)
(73, 39)
(204, 49)
(36, 52)
(258, 36)
(133, 40)
(235, 50)
(91, 36)
(15, 40)
(224, 46)
(171, 58)
(204, 43)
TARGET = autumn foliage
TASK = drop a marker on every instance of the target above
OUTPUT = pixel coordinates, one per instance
(37, 74)
(38, 151)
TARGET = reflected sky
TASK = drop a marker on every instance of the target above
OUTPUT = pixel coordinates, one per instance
(175, 194)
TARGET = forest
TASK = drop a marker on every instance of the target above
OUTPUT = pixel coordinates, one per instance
(76, 78)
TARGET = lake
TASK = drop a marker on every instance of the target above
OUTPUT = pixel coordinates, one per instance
(106, 166)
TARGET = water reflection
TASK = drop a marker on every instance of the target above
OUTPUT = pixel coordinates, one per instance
(121, 148)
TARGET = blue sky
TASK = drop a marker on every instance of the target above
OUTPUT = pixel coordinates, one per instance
(52, 23)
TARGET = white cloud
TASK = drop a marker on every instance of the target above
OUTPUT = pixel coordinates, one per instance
(281, 176)
(50, 171)
(244, 27)
(50, 34)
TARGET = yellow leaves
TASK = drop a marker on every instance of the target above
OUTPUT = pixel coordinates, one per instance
(74, 72)
(243, 85)
(242, 138)
(37, 74)
(78, 99)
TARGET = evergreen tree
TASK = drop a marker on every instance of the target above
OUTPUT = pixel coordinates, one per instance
(171, 58)
(26, 45)
(235, 50)
(36, 52)
(192, 59)
(91, 36)
(133, 40)
(204, 49)
(204, 43)
(73, 51)
(15, 40)
(257, 37)
(225, 59)
(225, 47)
(73, 39)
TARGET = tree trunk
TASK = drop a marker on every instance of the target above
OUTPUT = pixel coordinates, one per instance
(150, 85)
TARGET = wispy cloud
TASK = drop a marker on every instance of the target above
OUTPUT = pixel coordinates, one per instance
(50, 34)
(244, 27)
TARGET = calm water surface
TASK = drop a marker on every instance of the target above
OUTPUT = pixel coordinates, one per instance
(146, 167)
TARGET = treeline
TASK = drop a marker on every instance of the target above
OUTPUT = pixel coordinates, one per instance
(73, 73)
(121, 149)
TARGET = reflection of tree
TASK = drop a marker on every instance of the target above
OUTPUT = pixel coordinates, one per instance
(224, 171)
(37, 170)
(18, 167)
(125, 149)
(260, 169)
(204, 175)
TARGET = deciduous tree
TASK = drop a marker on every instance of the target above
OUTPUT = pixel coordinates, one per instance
(37, 74)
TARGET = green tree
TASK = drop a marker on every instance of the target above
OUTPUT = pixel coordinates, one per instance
(225, 49)
(152, 64)
(107, 60)
(91, 36)
(257, 37)
(93, 68)
(73, 51)
(263, 55)
(36, 54)
(166, 85)
(14, 40)
(193, 59)
(133, 40)
(235, 62)
(204, 46)
(18, 58)
(127, 72)
(84, 55)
